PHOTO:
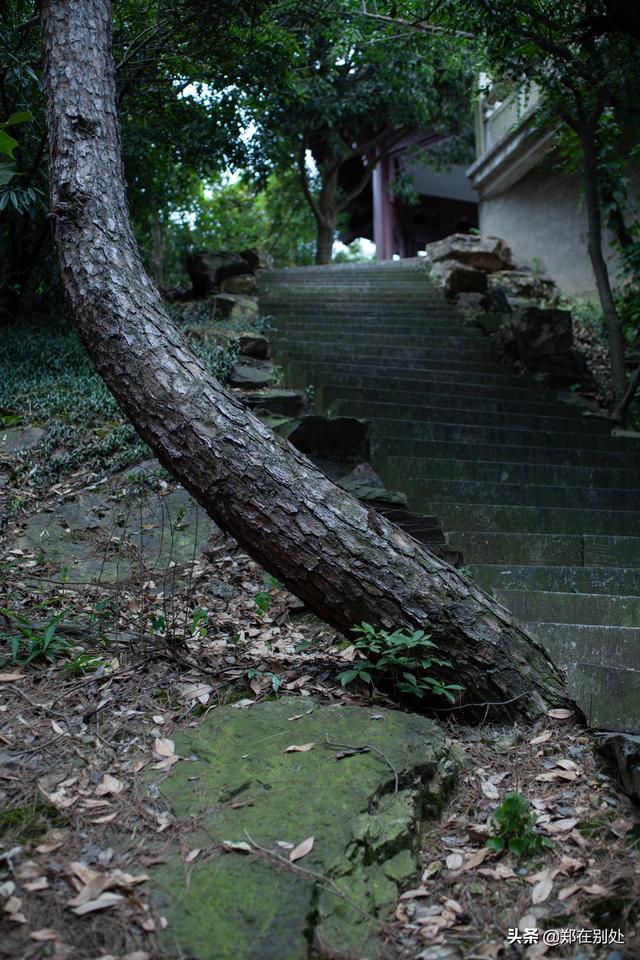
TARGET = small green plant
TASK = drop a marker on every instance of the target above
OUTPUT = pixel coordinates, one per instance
(405, 658)
(200, 622)
(264, 598)
(30, 644)
(84, 663)
(276, 681)
(514, 828)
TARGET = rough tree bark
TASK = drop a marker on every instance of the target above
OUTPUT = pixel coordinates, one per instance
(347, 563)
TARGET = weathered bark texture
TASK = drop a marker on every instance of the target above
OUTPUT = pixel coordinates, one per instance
(347, 563)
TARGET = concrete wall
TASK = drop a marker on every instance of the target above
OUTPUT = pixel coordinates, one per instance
(542, 218)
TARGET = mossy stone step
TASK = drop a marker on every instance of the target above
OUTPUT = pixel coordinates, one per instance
(327, 371)
(608, 696)
(509, 453)
(471, 415)
(480, 546)
(533, 519)
(571, 608)
(620, 581)
(425, 490)
(414, 469)
(241, 787)
(453, 431)
(599, 644)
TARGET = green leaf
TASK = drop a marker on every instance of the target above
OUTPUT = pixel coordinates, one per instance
(21, 117)
(7, 144)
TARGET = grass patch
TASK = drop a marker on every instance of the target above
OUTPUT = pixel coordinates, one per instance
(20, 825)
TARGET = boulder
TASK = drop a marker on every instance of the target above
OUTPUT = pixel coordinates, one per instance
(624, 750)
(256, 373)
(457, 278)
(472, 302)
(208, 270)
(233, 308)
(258, 258)
(364, 785)
(481, 253)
(285, 403)
(525, 284)
(244, 283)
(253, 345)
(542, 340)
(320, 434)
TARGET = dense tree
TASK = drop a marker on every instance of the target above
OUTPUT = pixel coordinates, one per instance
(346, 562)
(353, 89)
(586, 71)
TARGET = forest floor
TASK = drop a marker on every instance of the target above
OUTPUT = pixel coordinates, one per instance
(139, 618)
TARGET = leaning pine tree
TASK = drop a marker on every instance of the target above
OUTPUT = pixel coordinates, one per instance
(346, 563)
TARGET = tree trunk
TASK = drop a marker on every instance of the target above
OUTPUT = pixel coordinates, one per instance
(327, 216)
(324, 242)
(612, 320)
(345, 562)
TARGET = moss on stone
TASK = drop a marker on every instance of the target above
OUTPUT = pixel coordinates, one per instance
(243, 786)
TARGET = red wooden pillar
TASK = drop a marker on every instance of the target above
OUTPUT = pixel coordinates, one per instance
(383, 211)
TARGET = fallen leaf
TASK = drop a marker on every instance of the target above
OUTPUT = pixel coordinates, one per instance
(301, 850)
(109, 784)
(454, 861)
(41, 883)
(29, 870)
(10, 677)
(244, 704)
(567, 764)
(299, 748)
(569, 865)
(47, 933)
(233, 846)
(543, 887)
(191, 856)
(567, 892)
(103, 902)
(476, 859)
(595, 890)
(541, 738)
(164, 747)
(106, 819)
(296, 716)
(416, 894)
(560, 713)
(557, 775)
(561, 826)
(489, 789)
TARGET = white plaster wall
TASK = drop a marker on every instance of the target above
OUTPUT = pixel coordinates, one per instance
(542, 217)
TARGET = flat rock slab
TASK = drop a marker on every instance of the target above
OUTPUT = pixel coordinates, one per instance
(361, 791)
(96, 536)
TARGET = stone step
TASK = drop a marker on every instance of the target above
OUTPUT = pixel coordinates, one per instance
(350, 387)
(528, 519)
(326, 371)
(620, 581)
(455, 398)
(473, 414)
(597, 644)
(424, 491)
(414, 357)
(420, 430)
(382, 448)
(608, 696)
(419, 334)
(588, 550)
(367, 345)
(540, 606)
(398, 470)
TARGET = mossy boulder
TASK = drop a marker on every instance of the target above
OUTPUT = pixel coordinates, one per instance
(363, 791)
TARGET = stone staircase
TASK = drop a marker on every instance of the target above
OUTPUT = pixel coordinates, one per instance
(542, 502)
